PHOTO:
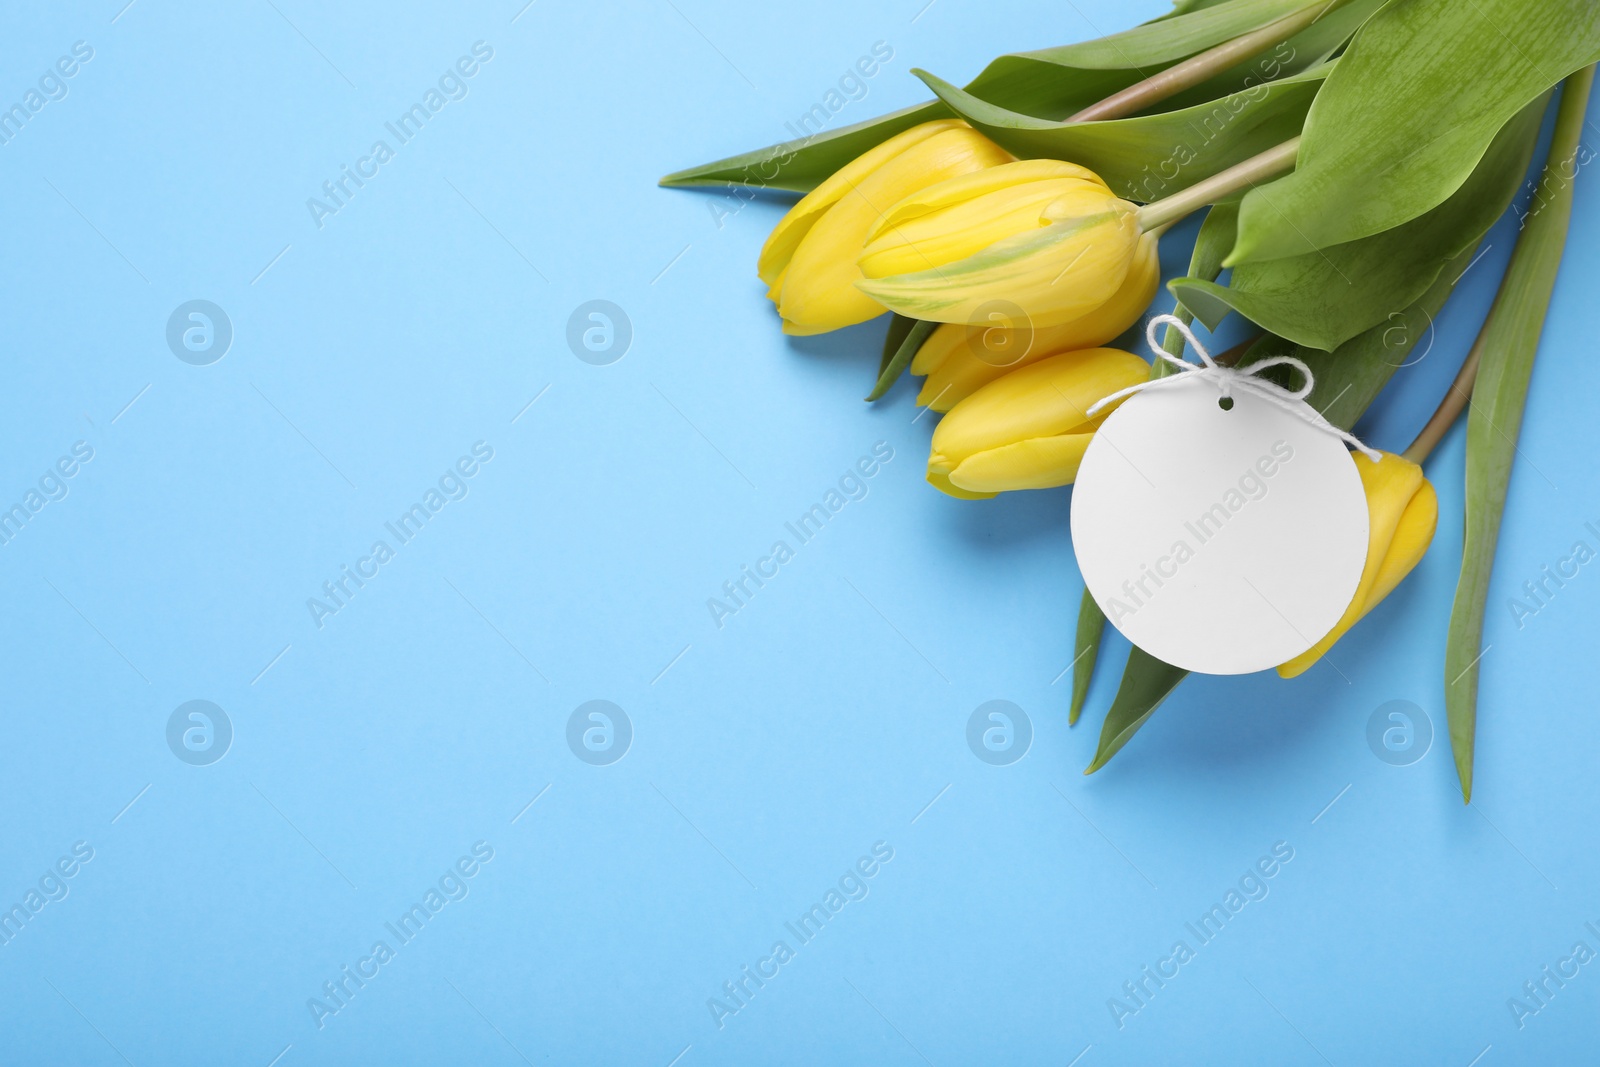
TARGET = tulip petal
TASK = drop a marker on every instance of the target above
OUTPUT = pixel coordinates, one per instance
(1037, 463)
(944, 342)
(1054, 274)
(1044, 399)
(1005, 342)
(962, 359)
(1392, 485)
(1411, 540)
(796, 329)
(1007, 176)
(941, 481)
(964, 215)
(792, 228)
(819, 290)
(961, 230)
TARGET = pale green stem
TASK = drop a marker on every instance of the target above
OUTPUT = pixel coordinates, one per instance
(1198, 68)
(1450, 408)
(1270, 164)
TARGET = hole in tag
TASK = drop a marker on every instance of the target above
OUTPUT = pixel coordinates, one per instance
(1225, 403)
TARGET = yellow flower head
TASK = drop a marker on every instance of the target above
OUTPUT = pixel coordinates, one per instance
(1045, 236)
(958, 358)
(1403, 511)
(809, 261)
(1028, 430)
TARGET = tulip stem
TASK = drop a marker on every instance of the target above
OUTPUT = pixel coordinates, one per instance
(1270, 164)
(1454, 402)
(1197, 68)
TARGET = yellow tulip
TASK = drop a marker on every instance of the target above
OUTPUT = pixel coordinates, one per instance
(1028, 429)
(957, 359)
(1043, 236)
(1403, 512)
(809, 261)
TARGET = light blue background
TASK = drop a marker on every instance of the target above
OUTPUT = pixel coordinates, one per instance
(768, 755)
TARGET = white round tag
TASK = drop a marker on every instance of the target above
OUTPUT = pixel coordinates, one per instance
(1220, 541)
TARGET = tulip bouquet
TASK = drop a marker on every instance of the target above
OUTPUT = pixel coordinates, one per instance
(1348, 156)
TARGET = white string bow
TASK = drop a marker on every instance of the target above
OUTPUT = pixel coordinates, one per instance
(1228, 380)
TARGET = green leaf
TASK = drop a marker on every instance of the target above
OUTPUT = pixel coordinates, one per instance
(1322, 299)
(1347, 381)
(899, 326)
(1183, 7)
(1150, 156)
(1152, 45)
(1085, 650)
(1507, 345)
(1146, 682)
(1409, 110)
(1054, 83)
(1349, 378)
(1211, 246)
(895, 365)
(804, 163)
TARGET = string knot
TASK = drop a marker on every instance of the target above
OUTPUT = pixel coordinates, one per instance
(1229, 379)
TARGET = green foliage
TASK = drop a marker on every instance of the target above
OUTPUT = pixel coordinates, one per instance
(1409, 111)
(1322, 299)
(1146, 682)
(1151, 156)
(1507, 346)
(899, 348)
(1085, 650)
(1051, 84)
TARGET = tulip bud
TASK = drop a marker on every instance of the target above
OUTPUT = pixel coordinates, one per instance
(1042, 234)
(809, 261)
(1403, 512)
(1028, 430)
(958, 358)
